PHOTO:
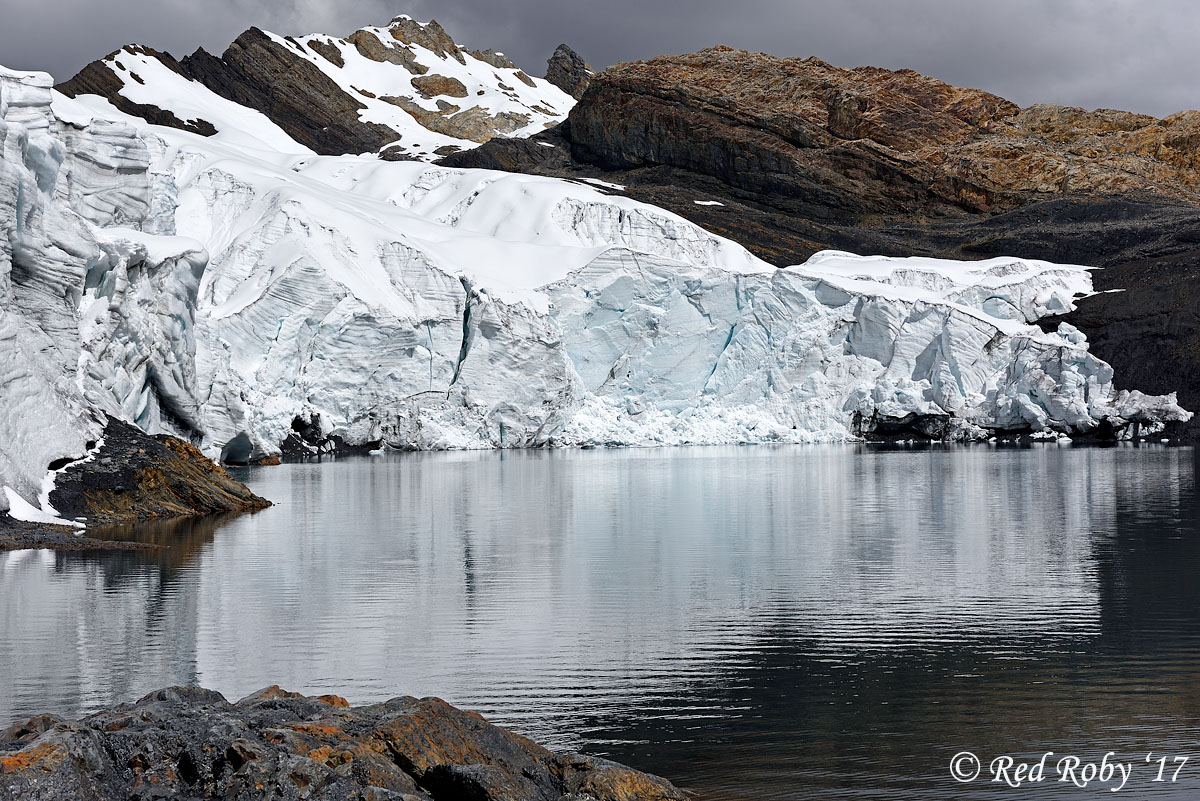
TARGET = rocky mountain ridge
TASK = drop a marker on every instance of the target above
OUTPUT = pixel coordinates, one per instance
(405, 90)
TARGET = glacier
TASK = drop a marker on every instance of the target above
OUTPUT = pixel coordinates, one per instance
(230, 294)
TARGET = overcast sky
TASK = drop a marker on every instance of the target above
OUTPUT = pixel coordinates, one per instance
(1140, 55)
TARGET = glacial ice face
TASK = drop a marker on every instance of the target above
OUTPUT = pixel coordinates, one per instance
(91, 319)
(198, 287)
(43, 418)
(436, 308)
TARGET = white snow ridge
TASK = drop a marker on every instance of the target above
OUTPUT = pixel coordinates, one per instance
(197, 286)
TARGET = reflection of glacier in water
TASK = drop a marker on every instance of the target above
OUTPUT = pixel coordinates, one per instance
(578, 594)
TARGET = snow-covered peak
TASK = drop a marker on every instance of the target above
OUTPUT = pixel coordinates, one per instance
(406, 91)
(435, 95)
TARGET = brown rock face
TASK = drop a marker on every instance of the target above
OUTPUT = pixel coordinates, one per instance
(473, 123)
(567, 70)
(433, 85)
(369, 46)
(187, 742)
(137, 477)
(431, 36)
(871, 141)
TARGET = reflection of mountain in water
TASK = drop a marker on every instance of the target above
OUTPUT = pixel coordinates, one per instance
(733, 618)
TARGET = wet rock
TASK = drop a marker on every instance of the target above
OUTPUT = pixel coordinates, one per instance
(18, 535)
(567, 70)
(187, 742)
(134, 476)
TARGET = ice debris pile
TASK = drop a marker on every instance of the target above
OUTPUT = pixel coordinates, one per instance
(225, 293)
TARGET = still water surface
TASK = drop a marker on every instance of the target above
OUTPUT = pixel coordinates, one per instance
(799, 622)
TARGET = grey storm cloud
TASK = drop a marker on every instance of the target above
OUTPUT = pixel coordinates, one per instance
(1131, 54)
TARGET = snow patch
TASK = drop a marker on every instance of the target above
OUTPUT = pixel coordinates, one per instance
(603, 184)
(20, 509)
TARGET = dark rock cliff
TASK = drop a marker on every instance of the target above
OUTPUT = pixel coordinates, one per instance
(567, 70)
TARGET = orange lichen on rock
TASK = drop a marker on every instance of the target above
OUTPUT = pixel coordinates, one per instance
(37, 756)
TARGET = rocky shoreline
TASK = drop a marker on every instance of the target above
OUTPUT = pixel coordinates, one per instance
(189, 742)
(18, 535)
(130, 477)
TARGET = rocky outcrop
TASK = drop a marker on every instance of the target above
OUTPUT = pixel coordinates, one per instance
(257, 72)
(792, 156)
(369, 46)
(567, 70)
(433, 85)
(188, 742)
(431, 36)
(97, 79)
(131, 477)
(18, 535)
(499, 60)
(329, 94)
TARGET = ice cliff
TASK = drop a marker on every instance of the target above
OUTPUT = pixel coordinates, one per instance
(231, 293)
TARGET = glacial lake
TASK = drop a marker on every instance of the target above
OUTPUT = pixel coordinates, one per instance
(761, 622)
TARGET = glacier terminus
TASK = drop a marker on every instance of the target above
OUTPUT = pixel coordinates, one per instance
(234, 287)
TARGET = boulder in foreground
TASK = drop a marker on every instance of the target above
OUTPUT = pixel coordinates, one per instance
(188, 742)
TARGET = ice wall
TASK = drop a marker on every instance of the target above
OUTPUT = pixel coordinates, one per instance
(195, 286)
(92, 318)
